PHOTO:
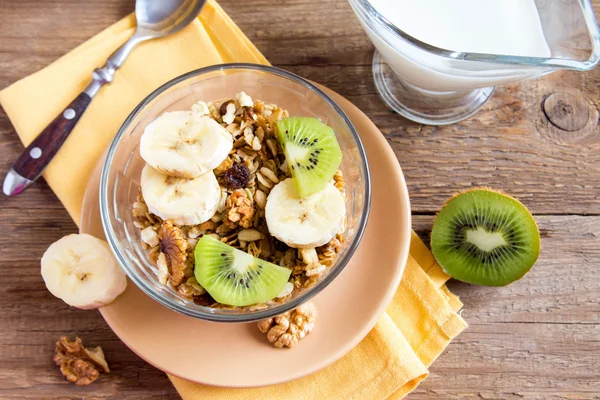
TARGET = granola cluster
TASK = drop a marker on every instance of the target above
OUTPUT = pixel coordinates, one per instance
(253, 167)
(78, 364)
(240, 209)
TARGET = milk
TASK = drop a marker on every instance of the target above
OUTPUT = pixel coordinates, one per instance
(510, 27)
(505, 27)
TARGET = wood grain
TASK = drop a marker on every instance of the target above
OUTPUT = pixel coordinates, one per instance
(534, 339)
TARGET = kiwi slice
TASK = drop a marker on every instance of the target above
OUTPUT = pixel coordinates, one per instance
(234, 277)
(485, 237)
(311, 150)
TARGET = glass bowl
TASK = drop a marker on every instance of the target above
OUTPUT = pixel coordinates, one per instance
(120, 179)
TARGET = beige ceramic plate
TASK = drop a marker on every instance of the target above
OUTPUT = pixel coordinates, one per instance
(238, 355)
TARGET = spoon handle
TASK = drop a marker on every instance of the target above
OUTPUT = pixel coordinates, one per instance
(32, 161)
(36, 157)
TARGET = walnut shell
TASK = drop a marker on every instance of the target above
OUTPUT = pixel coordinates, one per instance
(77, 363)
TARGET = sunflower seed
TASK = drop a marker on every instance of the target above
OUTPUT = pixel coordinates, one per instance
(269, 174)
(250, 235)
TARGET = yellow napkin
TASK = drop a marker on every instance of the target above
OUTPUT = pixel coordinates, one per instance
(33, 102)
(419, 323)
(391, 361)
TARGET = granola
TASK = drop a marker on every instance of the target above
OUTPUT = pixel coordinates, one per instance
(253, 167)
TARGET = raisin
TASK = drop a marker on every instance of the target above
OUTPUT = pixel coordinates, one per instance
(204, 300)
(279, 245)
(236, 177)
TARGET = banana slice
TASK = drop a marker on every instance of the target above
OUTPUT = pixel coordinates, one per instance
(182, 201)
(185, 144)
(81, 270)
(308, 222)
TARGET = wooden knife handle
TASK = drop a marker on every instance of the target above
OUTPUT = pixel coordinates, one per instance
(38, 154)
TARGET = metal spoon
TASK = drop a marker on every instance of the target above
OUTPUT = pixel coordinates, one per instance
(155, 18)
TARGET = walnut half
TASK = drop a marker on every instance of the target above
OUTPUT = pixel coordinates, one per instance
(79, 365)
(173, 246)
(287, 329)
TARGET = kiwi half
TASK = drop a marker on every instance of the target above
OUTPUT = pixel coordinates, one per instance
(311, 150)
(234, 277)
(485, 237)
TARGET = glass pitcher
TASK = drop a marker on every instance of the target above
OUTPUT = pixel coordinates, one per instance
(436, 86)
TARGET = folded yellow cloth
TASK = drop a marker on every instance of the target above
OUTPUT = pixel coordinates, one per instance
(391, 361)
(422, 318)
(33, 102)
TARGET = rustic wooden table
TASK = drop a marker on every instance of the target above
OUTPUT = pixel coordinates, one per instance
(538, 338)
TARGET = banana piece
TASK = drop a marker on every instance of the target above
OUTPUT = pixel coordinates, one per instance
(81, 270)
(185, 144)
(182, 201)
(304, 222)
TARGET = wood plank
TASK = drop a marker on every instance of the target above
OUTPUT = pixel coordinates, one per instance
(517, 335)
(537, 338)
(517, 361)
(559, 289)
(509, 145)
(549, 176)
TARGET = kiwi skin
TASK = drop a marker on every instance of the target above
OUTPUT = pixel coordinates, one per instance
(531, 222)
